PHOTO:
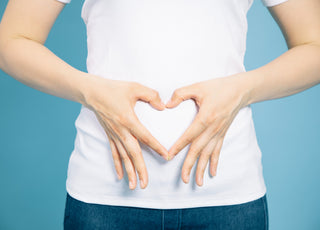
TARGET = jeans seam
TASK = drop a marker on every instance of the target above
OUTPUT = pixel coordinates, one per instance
(265, 213)
(162, 222)
(180, 218)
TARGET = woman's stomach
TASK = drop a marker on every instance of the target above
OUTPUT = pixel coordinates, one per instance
(91, 166)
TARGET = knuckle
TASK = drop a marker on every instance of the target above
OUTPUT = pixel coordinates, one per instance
(134, 155)
(204, 153)
(203, 162)
(207, 154)
(125, 159)
(200, 170)
(154, 95)
(122, 136)
(139, 171)
(203, 122)
(188, 139)
(146, 140)
(131, 175)
(211, 118)
(214, 156)
(176, 92)
(130, 169)
(134, 85)
(128, 121)
(221, 125)
(200, 93)
(116, 129)
(122, 119)
(194, 150)
(217, 128)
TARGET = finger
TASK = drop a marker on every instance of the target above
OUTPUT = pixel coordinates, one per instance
(116, 159)
(215, 157)
(197, 126)
(122, 136)
(144, 135)
(132, 147)
(182, 94)
(130, 169)
(194, 151)
(150, 96)
(203, 161)
(114, 150)
(200, 141)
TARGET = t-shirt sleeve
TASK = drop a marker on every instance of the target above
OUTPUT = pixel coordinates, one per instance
(269, 3)
(64, 1)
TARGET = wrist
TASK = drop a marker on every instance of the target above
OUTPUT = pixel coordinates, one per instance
(91, 85)
(86, 87)
(247, 84)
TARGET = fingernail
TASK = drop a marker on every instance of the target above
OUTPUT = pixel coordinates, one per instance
(168, 102)
(200, 180)
(214, 172)
(131, 184)
(187, 177)
(141, 183)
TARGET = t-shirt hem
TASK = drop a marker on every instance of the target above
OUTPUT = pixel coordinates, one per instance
(165, 203)
(269, 3)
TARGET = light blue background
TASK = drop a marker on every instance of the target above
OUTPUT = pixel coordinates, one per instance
(37, 134)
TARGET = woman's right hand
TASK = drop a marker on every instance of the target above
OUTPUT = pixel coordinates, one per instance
(113, 103)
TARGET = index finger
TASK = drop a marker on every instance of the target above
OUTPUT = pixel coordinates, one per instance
(194, 130)
(143, 134)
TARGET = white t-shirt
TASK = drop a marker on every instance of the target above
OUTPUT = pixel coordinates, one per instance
(166, 44)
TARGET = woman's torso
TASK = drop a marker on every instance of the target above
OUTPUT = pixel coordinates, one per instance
(166, 44)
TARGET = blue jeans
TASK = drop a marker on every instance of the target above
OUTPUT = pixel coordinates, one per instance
(84, 216)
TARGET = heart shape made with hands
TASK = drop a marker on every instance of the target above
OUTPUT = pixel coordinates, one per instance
(169, 124)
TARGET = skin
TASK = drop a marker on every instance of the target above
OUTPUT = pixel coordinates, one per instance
(24, 29)
(221, 99)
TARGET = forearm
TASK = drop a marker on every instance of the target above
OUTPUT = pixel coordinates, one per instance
(34, 65)
(294, 71)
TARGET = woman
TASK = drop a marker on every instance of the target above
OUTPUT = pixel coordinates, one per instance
(166, 87)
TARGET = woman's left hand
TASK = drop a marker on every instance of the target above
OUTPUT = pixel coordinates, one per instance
(218, 100)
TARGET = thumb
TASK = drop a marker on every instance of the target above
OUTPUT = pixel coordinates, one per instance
(151, 96)
(180, 95)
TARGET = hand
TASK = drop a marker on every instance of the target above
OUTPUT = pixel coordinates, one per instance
(219, 100)
(113, 103)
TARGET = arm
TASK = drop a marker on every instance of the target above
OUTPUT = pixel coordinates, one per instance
(297, 69)
(24, 28)
(221, 99)
(23, 31)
